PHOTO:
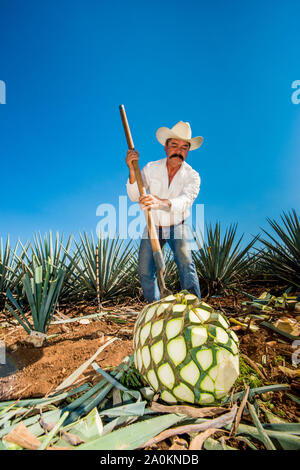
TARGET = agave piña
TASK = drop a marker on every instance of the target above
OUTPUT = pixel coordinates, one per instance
(185, 350)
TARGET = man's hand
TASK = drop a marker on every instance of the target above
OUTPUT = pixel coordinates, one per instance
(131, 155)
(153, 202)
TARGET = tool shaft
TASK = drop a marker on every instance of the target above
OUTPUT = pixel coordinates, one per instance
(157, 253)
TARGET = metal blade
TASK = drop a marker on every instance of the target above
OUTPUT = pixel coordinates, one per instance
(160, 269)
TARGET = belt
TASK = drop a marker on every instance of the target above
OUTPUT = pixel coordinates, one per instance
(168, 226)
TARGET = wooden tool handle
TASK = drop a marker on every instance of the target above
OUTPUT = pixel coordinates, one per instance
(126, 127)
(130, 144)
(142, 190)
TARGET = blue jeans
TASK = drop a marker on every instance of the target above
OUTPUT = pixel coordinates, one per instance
(178, 240)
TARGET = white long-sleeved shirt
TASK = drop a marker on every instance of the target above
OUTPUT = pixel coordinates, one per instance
(182, 192)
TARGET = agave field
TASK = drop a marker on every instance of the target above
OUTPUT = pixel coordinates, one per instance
(86, 364)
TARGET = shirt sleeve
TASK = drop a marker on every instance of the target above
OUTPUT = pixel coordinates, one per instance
(186, 198)
(133, 189)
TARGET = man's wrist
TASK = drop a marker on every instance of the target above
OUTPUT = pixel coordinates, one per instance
(132, 178)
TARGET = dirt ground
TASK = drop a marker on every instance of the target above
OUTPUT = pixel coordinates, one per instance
(41, 370)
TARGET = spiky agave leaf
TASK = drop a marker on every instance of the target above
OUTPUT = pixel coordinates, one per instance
(256, 270)
(221, 262)
(282, 256)
(116, 266)
(10, 269)
(133, 274)
(47, 248)
(185, 351)
(42, 291)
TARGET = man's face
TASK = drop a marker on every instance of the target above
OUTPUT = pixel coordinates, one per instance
(177, 150)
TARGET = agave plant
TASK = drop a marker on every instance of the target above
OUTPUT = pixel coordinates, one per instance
(48, 248)
(221, 262)
(10, 269)
(116, 267)
(256, 270)
(282, 255)
(42, 290)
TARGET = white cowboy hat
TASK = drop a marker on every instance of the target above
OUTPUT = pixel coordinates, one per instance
(181, 130)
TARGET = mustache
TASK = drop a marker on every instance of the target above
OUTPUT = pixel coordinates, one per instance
(177, 155)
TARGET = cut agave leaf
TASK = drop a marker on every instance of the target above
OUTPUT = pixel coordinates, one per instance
(88, 428)
(132, 436)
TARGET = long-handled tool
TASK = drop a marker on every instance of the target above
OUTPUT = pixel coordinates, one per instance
(157, 253)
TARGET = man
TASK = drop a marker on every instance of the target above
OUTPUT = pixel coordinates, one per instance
(173, 186)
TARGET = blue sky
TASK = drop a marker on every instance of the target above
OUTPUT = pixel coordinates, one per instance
(226, 67)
